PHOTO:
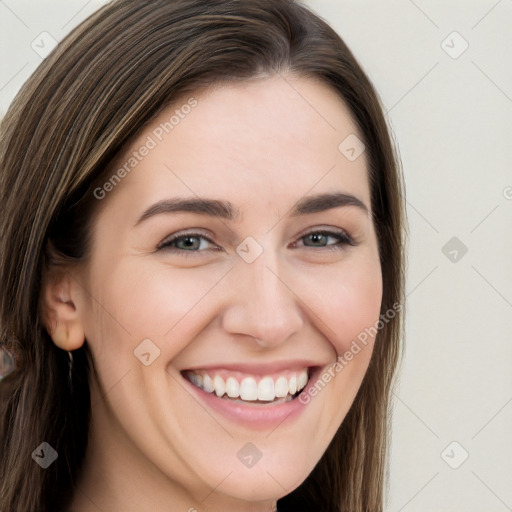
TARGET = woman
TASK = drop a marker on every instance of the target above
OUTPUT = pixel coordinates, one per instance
(201, 265)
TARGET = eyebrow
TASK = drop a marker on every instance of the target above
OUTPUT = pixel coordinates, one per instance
(225, 210)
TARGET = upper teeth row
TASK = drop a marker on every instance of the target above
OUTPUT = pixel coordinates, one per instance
(248, 389)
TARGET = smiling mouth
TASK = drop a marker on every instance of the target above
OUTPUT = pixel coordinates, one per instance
(250, 389)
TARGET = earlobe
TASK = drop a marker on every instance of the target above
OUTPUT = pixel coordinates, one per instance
(68, 335)
(60, 314)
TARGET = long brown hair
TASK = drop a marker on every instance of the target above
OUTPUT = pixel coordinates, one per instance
(98, 88)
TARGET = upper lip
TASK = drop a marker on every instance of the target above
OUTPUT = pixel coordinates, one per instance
(258, 369)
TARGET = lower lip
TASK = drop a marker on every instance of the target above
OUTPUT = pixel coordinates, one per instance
(254, 416)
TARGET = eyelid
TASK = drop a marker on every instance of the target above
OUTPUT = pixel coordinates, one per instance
(345, 238)
(193, 233)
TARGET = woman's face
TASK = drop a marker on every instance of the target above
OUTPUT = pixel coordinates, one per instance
(256, 290)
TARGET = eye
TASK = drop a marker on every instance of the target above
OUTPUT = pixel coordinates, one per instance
(190, 243)
(320, 238)
(185, 243)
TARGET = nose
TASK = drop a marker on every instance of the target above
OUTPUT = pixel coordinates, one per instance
(262, 304)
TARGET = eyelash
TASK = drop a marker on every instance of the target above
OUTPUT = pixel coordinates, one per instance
(341, 235)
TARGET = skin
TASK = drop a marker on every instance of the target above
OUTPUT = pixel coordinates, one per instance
(261, 144)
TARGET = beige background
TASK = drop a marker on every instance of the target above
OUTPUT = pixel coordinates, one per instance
(450, 108)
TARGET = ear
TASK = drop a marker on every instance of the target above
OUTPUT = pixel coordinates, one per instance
(60, 315)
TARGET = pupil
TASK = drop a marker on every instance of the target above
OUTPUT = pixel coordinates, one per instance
(189, 241)
(315, 237)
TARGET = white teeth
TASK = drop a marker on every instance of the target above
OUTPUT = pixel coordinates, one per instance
(267, 389)
(281, 389)
(219, 385)
(292, 385)
(249, 389)
(208, 384)
(232, 387)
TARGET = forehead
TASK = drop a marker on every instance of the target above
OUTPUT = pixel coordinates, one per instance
(264, 140)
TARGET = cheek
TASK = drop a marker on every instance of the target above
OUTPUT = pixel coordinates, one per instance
(136, 302)
(360, 303)
(350, 302)
(349, 310)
